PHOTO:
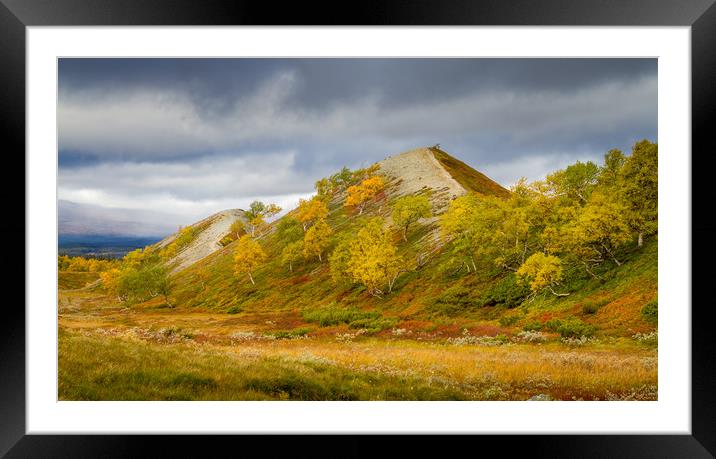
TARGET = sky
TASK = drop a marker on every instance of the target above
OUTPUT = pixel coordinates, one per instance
(166, 142)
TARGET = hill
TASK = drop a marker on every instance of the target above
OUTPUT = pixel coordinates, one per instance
(467, 177)
(449, 327)
(432, 294)
(431, 168)
(203, 240)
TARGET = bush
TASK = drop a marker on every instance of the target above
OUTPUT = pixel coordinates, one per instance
(234, 310)
(553, 324)
(453, 301)
(374, 325)
(507, 321)
(226, 240)
(532, 326)
(591, 307)
(334, 316)
(575, 328)
(531, 337)
(498, 340)
(175, 331)
(651, 339)
(290, 334)
(581, 341)
(507, 292)
(650, 312)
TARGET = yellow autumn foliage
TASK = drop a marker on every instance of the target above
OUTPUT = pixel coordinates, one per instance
(248, 256)
(360, 195)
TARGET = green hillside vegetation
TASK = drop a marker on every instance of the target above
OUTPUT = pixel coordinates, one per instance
(567, 248)
(468, 177)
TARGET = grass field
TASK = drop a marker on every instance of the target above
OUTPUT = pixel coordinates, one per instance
(110, 352)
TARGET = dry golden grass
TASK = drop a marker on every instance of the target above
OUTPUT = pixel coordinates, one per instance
(613, 369)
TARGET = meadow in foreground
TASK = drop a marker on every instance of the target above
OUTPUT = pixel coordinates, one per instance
(111, 353)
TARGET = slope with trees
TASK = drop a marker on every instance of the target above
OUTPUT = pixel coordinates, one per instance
(583, 235)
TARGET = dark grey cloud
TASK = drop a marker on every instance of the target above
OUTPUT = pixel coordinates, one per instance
(323, 82)
(190, 135)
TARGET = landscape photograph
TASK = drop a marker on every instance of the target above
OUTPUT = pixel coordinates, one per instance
(347, 229)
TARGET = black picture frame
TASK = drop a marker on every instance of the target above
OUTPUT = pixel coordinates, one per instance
(16, 15)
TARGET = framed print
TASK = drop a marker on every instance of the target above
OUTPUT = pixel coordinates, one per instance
(285, 224)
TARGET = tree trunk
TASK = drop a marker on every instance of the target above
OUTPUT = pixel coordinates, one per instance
(319, 258)
(589, 271)
(251, 278)
(611, 255)
(391, 282)
(290, 267)
(405, 233)
(508, 267)
(640, 241)
(557, 294)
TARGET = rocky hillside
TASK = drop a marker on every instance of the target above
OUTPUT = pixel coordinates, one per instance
(205, 241)
(432, 169)
(431, 289)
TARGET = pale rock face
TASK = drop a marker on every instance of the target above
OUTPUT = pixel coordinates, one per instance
(417, 169)
(206, 242)
(411, 172)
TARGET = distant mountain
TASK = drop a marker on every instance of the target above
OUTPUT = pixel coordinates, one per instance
(89, 220)
(90, 245)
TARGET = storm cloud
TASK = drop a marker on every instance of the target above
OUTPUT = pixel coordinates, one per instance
(194, 136)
